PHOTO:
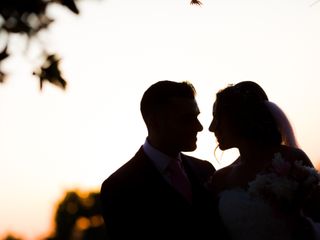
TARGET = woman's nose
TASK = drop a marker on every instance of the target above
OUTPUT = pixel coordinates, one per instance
(212, 126)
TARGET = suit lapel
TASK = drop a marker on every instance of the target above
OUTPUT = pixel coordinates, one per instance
(197, 180)
(191, 170)
(155, 182)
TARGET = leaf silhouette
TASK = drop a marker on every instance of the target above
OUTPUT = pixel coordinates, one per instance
(195, 2)
(4, 54)
(2, 77)
(71, 5)
(28, 18)
(50, 72)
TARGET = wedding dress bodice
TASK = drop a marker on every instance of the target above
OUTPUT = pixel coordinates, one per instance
(250, 218)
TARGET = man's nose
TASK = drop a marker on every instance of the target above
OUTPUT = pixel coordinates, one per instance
(199, 126)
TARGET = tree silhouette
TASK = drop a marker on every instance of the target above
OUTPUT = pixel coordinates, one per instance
(11, 237)
(29, 18)
(78, 217)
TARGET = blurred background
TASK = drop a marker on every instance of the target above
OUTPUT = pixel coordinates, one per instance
(69, 101)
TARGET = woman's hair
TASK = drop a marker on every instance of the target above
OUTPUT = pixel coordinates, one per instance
(245, 105)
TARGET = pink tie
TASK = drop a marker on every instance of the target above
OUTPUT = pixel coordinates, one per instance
(180, 180)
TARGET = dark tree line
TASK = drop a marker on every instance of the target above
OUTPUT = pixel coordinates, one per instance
(77, 217)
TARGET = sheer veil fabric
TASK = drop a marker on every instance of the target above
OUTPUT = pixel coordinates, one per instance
(285, 127)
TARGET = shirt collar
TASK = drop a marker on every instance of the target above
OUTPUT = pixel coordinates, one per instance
(160, 159)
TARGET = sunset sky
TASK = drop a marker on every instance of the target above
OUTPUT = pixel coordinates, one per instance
(55, 140)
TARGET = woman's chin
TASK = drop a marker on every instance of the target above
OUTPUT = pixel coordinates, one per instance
(223, 147)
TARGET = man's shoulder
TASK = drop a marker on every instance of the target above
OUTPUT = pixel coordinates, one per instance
(129, 170)
(198, 161)
(201, 166)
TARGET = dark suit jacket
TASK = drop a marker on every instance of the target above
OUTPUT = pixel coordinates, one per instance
(138, 203)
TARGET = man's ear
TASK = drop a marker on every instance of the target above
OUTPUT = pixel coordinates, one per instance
(156, 120)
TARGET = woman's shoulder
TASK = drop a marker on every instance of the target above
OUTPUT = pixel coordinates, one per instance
(223, 172)
(220, 178)
(295, 154)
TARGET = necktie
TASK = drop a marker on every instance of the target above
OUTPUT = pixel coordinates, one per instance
(179, 179)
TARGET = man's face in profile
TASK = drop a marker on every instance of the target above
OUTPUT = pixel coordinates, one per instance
(181, 124)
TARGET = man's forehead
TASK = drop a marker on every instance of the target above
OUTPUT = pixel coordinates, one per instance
(185, 104)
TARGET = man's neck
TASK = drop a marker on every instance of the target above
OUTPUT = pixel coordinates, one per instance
(163, 147)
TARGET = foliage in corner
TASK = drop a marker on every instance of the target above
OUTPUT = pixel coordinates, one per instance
(28, 18)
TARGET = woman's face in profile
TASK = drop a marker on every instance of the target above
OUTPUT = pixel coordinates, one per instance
(222, 127)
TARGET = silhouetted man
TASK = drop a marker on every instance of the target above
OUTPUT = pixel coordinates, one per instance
(160, 192)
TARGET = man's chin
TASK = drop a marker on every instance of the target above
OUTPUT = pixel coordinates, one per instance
(189, 148)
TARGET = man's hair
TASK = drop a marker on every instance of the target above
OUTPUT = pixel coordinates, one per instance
(159, 95)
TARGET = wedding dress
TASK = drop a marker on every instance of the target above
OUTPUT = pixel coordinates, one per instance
(268, 208)
(251, 218)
